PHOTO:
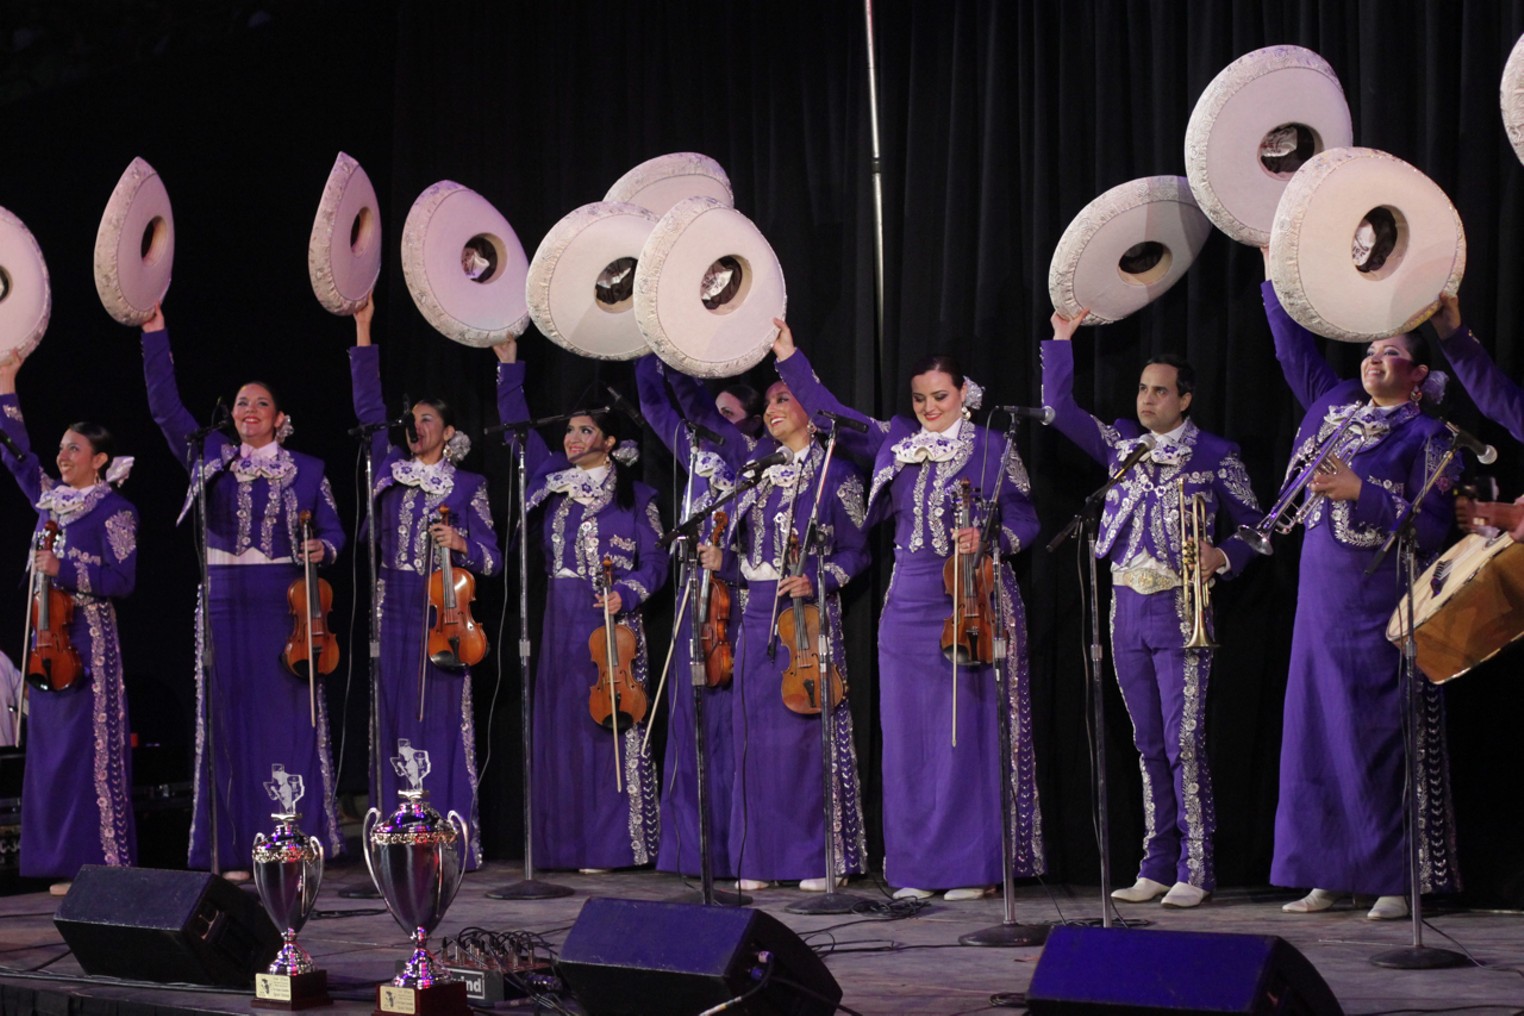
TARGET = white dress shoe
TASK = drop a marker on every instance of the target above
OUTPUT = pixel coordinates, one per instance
(751, 885)
(1141, 891)
(1183, 896)
(593, 871)
(818, 885)
(59, 888)
(907, 893)
(977, 892)
(1318, 899)
(1388, 908)
(237, 876)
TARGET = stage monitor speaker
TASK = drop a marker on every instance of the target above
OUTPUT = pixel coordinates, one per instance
(1116, 970)
(636, 957)
(149, 924)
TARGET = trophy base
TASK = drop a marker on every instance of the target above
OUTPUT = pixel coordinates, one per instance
(447, 998)
(291, 991)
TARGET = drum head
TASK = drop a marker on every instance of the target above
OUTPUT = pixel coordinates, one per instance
(581, 285)
(658, 184)
(344, 253)
(1126, 248)
(26, 298)
(1511, 97)
(1261, 118)
(464, 266)
(1360, 203)
(707, 289)
(135, 246)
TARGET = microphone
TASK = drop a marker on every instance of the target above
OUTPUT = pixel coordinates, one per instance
(408, 423)
(1042, 414)
(10, 446)
(220, 419)
(780, 457)
(1145, 445)
(623, 405)
(1485, 453)
(844, 421)
(698, 430)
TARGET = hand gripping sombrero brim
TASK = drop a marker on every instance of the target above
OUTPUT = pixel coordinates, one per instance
(1086, 271)
(669, 307)
(1253, 95)
(27, 300)
(474, 312)
(131, 283)
(1311, 263)
(658, 184)
(344, 253)
(562, 287)
(1511, 98)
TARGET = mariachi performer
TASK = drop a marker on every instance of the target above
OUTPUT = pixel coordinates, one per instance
(711, 478)
(1156, 529)
(942, 804)
(777, 812)
(588, 813)
(1340, 819)
(427, 506)
(255, 491)
(76, 802)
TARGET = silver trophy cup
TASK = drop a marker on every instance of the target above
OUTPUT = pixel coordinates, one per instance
(417, 859)
(288, 869)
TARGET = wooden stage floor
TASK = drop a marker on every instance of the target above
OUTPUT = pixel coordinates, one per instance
(908, 965)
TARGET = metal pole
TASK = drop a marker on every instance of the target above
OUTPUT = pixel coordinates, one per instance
(876, 174)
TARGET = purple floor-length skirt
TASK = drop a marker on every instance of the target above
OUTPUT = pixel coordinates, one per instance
(679, 799)
(262, 718)
(77, 791)
(580, 819)
(448, 728)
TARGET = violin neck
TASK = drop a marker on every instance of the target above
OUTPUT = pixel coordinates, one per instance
(447, 577)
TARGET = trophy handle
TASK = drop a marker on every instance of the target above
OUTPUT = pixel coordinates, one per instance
(371, 818)
(322, 865)
(458, 823)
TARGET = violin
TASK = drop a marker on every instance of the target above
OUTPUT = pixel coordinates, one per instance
(52, 664)
(310, 599)
(616, 701)
(456, 641)
(799, 631)
(968, 634)
(714, 617)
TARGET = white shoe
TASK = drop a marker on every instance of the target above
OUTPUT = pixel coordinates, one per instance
(907, 893)
(59, 888)
(818, 885)
(1183, 896)
(237, 876)
(977, 892)
(1143, 890)
(593, 871)
(751, 885)
(1388, 908)
(1318, 899)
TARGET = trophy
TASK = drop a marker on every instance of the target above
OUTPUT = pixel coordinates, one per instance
(417, 859)
(288, 868)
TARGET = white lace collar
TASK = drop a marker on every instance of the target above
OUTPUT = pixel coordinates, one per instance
(437, 478)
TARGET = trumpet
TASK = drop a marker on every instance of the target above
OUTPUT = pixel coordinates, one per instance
(1194, 525)
(1287, 512)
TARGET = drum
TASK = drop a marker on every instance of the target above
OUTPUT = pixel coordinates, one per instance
(26, 297)
(1467, 606)
(464, 266)
(658, 184)
(1363, 244)
(135, 246)
(581, 283)
(1511, 98)
(1126, 248)
(707, 288)
(344, 252)
(1260, 119)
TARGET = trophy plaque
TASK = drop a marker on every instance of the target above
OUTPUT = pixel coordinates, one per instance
(417, 859)
(288, 869)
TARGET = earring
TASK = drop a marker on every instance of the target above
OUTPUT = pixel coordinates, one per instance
(966, 414)
(1416, 395)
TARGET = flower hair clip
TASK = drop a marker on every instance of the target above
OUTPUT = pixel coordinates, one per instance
(973, 393)
(457, 447)
(626, 453)
(285, 430)
(1433, 387)
(119, 470)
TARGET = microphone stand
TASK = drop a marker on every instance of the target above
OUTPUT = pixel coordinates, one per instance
(529, 887)
(1009, 933)
(196, 464)
(1087, 520)
(1417, 956)
(831, 901)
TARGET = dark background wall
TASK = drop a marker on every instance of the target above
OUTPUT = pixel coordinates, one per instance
(999, 122)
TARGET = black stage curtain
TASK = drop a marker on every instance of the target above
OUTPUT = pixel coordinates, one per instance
(998, 121)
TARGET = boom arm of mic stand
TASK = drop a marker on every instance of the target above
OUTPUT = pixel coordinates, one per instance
(1408, 520)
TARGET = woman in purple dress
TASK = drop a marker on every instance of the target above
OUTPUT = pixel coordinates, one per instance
(413, 485)
(591, 508)
(1339, 821)
(777, 816)
(942, 803)
(76, 798)
(255, 491)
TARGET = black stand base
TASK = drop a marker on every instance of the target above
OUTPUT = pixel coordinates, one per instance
(359, 892)
(827, 903)
(721, 898)
(1419, 957)
(1008, 936)
(529, 889)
